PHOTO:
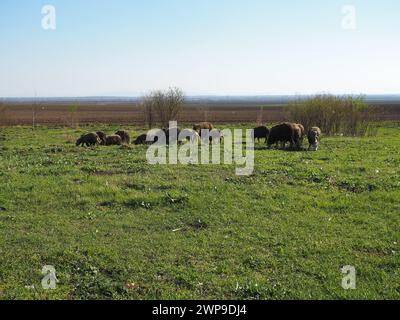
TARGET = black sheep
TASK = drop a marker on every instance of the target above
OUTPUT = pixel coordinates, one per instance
(142, 139)
(261, 132)
(89, 139)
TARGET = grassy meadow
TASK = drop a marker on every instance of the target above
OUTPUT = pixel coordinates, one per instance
(115, 227)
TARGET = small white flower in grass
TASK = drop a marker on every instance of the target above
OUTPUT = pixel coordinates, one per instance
(131, 285)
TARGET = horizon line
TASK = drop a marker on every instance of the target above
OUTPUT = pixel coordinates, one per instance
(198, 96)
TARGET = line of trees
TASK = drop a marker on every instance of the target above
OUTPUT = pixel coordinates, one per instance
(348, 115)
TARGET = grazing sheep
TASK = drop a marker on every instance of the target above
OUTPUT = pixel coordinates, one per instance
(203, 126)
(298, 133)
(285, 132)
(89, 139)
(153, 135)
(303, 132)
(113, 140)
(261, 132)
(124, 136)
(102, 137)
(314, 137)
(142, 139)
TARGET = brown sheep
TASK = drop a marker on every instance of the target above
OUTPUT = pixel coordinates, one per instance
(102, 137)
(89, 139)
(124, 136)
(303, 132)
(314, 137)
(203, 126)
(113, 140)
(285, 132)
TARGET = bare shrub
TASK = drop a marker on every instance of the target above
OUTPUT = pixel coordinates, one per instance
(166, 105)
(346, 115)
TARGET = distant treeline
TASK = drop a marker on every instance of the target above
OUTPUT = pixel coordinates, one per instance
(251, 100)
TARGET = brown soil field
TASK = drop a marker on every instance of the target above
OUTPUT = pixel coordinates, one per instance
(60, 114)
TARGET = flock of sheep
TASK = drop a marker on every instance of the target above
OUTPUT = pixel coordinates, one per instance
(281, 134)
(293, 133)
(100, 138)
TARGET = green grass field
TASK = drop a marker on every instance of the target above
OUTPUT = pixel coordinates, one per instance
(115, 227)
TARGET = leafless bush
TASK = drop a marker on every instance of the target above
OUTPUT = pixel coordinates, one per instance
(166, 105)
(346, 115)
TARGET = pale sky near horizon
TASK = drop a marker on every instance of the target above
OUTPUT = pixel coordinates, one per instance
(205, 47)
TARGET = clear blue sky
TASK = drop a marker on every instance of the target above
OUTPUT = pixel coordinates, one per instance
(227, 47)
